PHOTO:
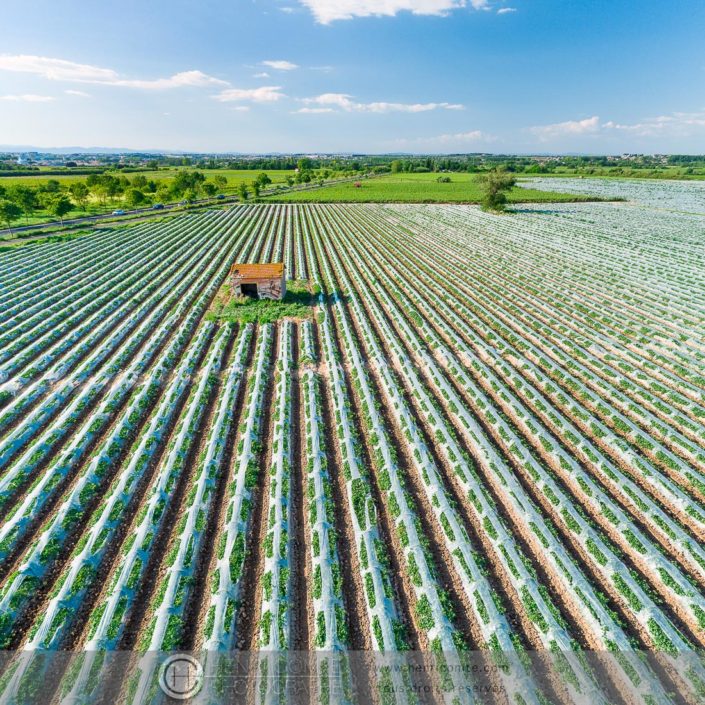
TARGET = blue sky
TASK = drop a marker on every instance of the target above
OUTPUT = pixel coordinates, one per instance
(438, 76)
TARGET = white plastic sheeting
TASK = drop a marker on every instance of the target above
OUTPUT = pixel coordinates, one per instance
(498, 466)
(221, 636)
(439, 630)
(613, 566)
(127, 381)
(276, 602)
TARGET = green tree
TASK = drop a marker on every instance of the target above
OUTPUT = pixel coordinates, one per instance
(255, 188)
(9, 212)
(185, 180)
(396, 166)
(114, 189)
(100, 191)
(495, 185)
(263, 180)
(135, 198)
(220, 181)
(79, 192)
(290, 180)
(25, 197)
(191, 195)
(209, 189)
(163, 194)
(105, 186)
(242, 191)
(60, 206)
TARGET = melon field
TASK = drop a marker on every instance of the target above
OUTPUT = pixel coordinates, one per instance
(481, 442)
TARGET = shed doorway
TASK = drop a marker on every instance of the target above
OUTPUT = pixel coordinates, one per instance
(250, 290)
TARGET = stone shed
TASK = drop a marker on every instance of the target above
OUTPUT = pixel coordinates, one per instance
(259, 281)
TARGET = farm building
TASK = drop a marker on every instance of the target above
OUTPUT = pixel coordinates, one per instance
(260, 281)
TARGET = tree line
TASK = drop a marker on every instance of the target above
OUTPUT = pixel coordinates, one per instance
(137, 191)
(58, 200)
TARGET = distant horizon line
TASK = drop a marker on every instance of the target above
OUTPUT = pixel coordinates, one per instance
(23, 149)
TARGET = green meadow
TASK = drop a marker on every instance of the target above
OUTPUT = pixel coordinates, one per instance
(415, 188)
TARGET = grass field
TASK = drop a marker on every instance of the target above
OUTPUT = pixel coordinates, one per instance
(668, 173)
(297, 304)
(415, 188)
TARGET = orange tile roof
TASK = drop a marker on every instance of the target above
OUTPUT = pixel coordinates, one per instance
(270, 270)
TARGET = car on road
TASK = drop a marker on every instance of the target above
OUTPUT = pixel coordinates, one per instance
(220, 196)
(158, 207)
(119, 212)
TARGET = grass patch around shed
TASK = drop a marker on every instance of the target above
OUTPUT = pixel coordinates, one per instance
(297, 304)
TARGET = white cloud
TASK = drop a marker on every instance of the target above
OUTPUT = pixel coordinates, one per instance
(327, 11)
(27, 98)
(287, 10)
(313, 111)
(406, 107)
(470, 136)
(682, 124)
(240, 108)
(679, 124)
(263, 94)
(62, 70)
(80, 94)
(57, 69)
(569, 128)
(179, 80)
(506, 10)
(344, 102)
(280, 65)
(341, 100)
(262, 74)
(457, 139)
